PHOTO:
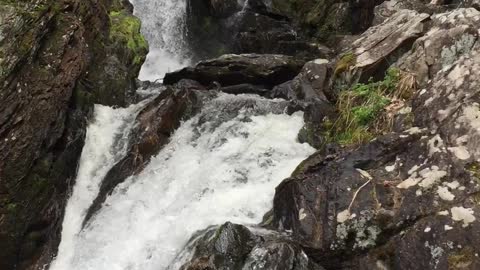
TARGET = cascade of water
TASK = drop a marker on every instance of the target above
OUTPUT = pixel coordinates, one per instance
(163, 25)
(221, 165)
(105, 144)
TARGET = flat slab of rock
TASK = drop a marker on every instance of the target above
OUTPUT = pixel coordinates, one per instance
(380, 45)
(378, 42)
(231, 69)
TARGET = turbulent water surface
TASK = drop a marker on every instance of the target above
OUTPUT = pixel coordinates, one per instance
(221, 165)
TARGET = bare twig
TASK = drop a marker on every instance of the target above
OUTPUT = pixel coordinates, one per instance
(365, 175)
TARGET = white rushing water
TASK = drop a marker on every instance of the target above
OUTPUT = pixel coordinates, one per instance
(163, 25)
(218, 167)
(105, 144)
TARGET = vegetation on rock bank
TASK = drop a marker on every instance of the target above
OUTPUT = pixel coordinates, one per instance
(362, 109)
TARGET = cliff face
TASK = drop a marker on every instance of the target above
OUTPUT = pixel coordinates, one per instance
(57, 58)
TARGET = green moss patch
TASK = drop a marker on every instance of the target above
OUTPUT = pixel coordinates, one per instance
(125, 28)
(346, 61)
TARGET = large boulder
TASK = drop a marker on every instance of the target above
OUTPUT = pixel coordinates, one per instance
(257, 69)
(235, 247)
(53, 57)
(386, 9)
(309, 85)
(405, 200)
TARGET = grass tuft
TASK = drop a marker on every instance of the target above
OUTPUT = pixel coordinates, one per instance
(362, 111)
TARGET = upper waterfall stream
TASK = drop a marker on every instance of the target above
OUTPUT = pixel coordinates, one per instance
(163, 25)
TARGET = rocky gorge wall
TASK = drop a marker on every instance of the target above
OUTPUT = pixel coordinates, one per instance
(57, 58)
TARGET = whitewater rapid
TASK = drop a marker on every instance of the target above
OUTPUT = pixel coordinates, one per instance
(105, 144)
(219, 166)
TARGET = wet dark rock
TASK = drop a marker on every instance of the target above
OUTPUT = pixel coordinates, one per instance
(253, 27)
(54, 64)
(308, 92)
(233, 246)
(245, 88)
(257, 69)
(258, 33)
(309, 85)
(223, 9)
(324, 19)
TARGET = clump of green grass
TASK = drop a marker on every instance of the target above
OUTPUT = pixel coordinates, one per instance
(361, 108)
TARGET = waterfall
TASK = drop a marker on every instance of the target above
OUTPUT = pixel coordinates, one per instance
(221, 165)
(163, 25)
(105, 144)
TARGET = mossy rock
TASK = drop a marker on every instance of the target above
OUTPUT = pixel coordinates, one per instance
(344, 63)
(125, 29)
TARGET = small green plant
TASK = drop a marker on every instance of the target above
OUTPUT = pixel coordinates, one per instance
(360, 108)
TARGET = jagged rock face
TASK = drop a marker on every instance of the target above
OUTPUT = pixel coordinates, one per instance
(414, 42)
(308, 91)
(257, 69)
(386, 9)
(220, 27)
(327, 17)
(373, 52)
(51, 69)
(233, 246)
(406, 200)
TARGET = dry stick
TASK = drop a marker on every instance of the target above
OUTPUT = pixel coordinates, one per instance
(360, 188)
